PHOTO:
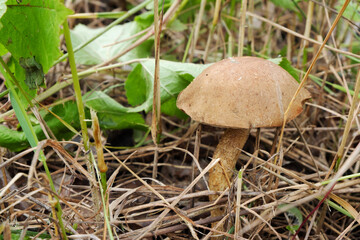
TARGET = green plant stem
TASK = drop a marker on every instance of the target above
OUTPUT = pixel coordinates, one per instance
(97, 15)
(13, 80)
(103, 193)
(188, 44)
(80, 106)
(4, 93)
(103, 183)
(116, 22)
(299, 8)
(242, 28)
(30, 133)
(52, 187)
(231, 12)
(238, 201)
(230, 39)
(197, 29)
(212, 29)
(355, 175)
(352, 112)
(176, 14)
(76, 85)
(309, 18)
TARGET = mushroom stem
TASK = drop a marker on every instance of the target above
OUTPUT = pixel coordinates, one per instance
(228, 150)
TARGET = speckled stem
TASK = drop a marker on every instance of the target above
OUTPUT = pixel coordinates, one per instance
(228, 150)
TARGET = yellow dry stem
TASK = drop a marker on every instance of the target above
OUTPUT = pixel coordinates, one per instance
(98, 145)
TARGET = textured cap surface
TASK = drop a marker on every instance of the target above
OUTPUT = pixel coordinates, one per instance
(242, 92)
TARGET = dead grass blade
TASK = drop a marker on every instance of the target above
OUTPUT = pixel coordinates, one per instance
(166, 211)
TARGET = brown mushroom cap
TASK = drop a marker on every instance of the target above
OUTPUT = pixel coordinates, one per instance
(242, 92)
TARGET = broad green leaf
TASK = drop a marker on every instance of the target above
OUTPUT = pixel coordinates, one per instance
(177, 26)
(26, 94)
(98, 51)
(285, 64)
(33, 29)
(137, 86)
(18, 140)
(296, 216)
(12, 140)
(145, 20)
(3, 9)
(111, 114)
(169, 108)
(34, 75)
(174, 77)
(68, 112)
(3, 50)
(351, 11)
(122, 121)
(103, 103)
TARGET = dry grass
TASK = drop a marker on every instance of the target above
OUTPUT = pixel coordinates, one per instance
(175, 205)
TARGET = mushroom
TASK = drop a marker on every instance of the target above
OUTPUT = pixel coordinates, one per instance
(239, 93)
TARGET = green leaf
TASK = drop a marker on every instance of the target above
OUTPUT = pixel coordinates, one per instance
(292, 228)
(167, 3)
(286, 64)
(122, 121)
(19, 110)
(26, 94)
(3, 9)
(3, 50)
(13, 140)
(145, 20)
(68, 112)
(111, 114)
(169, 108)
(33, 29)
(296, 216)
(18, 140)
(103, 103)
(18, 234)
(174, 77)
(137, 86)
(98, 51)
(34, 75)
(351, 11)
(355, 48)
(177, 26)
(22, 116)
(286, 4)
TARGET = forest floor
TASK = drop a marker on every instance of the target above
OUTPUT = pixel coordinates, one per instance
(300, 181)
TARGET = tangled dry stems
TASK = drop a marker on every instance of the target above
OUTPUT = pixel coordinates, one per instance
(176, 206)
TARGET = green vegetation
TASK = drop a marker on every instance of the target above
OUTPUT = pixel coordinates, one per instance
(62, 68)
